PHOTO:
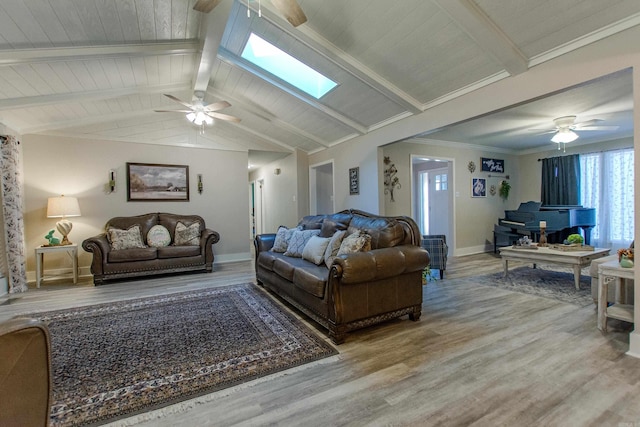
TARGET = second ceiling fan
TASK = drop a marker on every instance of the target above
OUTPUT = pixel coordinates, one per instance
(290, 9)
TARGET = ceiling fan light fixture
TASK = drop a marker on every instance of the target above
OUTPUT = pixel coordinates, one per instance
(564, 136)
(199, 118)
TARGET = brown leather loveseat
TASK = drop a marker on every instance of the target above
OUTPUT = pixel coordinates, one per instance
(352, 290)
(154, 243)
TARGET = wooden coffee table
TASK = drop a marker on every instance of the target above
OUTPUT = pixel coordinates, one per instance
(575, 259)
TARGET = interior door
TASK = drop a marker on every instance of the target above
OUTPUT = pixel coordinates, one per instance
(439, 199)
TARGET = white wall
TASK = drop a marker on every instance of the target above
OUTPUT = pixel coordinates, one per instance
(79, 167)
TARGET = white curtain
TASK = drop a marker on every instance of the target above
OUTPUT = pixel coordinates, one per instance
(14, 244)
(607, 185)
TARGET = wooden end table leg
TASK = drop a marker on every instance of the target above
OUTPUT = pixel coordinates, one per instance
(505, 264)
(602, 303)
(576, 275)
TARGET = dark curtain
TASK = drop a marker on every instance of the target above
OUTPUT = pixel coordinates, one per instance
(561, 180)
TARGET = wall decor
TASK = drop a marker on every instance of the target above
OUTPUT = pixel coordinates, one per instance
(478, 187)
(492, 165)
(391, 181)
(492, 190)
(148, 182)
(111, 182)
(354, 181)
(200, 185)
(471, 166)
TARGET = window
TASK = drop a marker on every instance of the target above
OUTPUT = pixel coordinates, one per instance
(270, 58)
(606, 184)
(441, 182)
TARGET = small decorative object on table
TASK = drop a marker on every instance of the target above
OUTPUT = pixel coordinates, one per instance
(53, 241)
(625, 257)
(543, 236)
(525, 243)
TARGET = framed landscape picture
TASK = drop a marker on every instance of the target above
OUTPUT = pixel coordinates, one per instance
(148, 182)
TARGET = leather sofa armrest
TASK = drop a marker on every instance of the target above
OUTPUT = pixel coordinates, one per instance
(209, 237)
(99, 245)
(380, 263)
(264, 242)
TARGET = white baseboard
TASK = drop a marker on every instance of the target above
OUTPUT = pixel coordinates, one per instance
(634, 344)
(240, 256)
(473, 250)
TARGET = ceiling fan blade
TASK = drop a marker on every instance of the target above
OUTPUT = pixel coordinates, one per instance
(291, 10)
(205, 6)
(543, 131)
(591, 122)
(222, 116)
(173, 111)
(596, 128)
(178, 100)
(217, 106)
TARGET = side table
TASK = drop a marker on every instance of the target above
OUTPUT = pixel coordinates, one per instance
(608, 272)
(71, 250)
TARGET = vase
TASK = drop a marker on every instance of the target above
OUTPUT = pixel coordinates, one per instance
(625, 262)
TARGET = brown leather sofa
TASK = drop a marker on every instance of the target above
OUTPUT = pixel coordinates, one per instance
(25, 373)
(359, 289)
(109, 264)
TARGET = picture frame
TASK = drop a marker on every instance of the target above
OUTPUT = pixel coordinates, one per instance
(152, 182)
(491, 165)
(354, 181)
(478, 187)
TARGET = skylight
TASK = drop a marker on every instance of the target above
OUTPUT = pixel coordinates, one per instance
(270, 58)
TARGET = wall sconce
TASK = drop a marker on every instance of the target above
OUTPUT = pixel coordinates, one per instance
(200, 185)
(111, 185)
(276, 171)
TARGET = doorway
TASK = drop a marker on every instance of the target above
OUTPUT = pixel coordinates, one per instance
(433, 196)
(321, 188)
(256, 208)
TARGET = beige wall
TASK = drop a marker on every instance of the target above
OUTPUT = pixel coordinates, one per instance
(77, 167)
(474, 217)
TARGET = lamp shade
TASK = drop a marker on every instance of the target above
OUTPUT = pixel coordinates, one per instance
(62, 207)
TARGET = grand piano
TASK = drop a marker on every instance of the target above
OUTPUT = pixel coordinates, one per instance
(561, 221)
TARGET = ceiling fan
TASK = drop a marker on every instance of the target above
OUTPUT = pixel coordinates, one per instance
(199, 113)
(290, 9)
(566, 125)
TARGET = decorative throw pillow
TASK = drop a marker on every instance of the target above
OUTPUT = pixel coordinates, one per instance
(355, 242)
(314, 249)
(333, 247)
(298, 241)
(187, 236)
(283, 235)
(158, 236)
(125, 239)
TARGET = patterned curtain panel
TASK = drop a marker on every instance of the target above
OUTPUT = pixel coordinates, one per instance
(12, 212)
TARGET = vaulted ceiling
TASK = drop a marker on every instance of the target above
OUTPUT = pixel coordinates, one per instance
(98, 69)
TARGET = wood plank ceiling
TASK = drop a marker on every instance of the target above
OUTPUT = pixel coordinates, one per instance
(97, 69)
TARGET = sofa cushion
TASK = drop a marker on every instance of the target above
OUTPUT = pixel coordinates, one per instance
(298, 241)
(129, 255)
(125, 239)
(158, 236)
(314, 249)
(144, 221)
(267, 258)
(283, 235)
(329, 227)
(187, 235)
(384, 232)
(286, 266)
(356, 242)
(178, 251)
(333, 247)
(311, 279)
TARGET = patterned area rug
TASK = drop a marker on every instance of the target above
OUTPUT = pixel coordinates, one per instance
(553, 282)
(115, 360)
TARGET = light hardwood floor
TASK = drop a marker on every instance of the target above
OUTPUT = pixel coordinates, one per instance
(478, 356)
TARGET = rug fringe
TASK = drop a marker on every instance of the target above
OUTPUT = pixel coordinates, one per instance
(187, 405)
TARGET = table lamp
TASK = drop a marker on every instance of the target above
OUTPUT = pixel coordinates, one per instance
(63, 207)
